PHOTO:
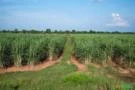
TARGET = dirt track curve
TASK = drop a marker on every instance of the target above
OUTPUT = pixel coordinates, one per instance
(80, 66)
(37, 67)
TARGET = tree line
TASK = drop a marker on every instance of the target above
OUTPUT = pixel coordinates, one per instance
(48, 30)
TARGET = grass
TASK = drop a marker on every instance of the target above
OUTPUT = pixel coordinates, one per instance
(59, 77)
(23, 49)
(48, 79)
(100, 48)
(84, 81)
(110, 76)
(64, 76)
(68, 50)
(77, 78)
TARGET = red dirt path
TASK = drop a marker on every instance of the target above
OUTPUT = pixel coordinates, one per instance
(80, 66)
(37, 67)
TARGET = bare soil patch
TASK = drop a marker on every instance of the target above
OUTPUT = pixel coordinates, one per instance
(38, 67)
(126, 74)
(80, 66)
(123, 72)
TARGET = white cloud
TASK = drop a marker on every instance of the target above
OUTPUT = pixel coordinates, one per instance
(118, 21)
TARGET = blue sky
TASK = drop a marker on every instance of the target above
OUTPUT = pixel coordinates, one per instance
(102, 15)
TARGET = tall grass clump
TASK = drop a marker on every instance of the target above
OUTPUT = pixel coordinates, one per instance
(6, 52)
(59, 46)
(100, 48)
(23, 49)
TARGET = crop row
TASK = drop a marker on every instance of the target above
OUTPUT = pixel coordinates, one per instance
(101, 48)
(23, 49)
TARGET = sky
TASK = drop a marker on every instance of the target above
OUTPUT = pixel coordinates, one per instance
(100, 15)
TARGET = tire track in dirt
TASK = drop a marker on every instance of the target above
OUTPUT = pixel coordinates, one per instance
(80, 66)
(37, 67)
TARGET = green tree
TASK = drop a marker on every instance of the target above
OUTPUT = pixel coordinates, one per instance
(48, 30)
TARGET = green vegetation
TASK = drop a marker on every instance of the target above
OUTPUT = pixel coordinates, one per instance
(60, 77)
(94, 83)
(48, 79)
(23, 49)
(68, 50)
(102, 47)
